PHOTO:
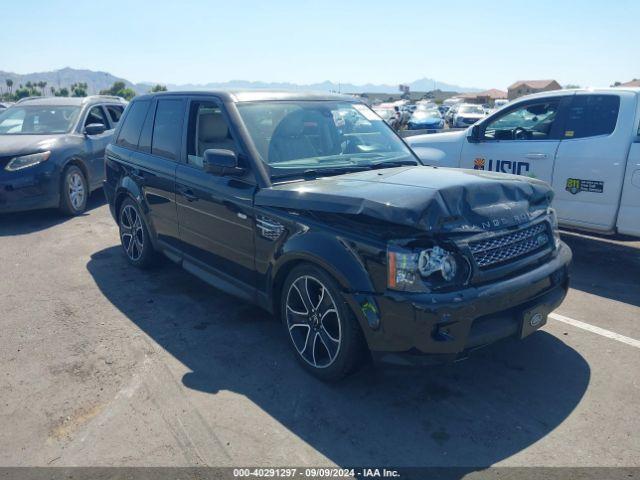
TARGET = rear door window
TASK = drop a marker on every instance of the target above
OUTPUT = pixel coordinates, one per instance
(167, 128)
(130, 132)
(591, 115)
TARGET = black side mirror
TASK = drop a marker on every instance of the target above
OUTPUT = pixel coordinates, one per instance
(475, 135)
(95, 129)
(221, 162)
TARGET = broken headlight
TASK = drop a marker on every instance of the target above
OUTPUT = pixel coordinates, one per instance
(424, 270)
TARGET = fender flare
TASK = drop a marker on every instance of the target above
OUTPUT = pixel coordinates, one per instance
(75, 160)
(332, 254)
(128, 188)
(335, 256)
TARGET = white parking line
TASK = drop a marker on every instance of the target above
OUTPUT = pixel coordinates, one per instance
(592, 328)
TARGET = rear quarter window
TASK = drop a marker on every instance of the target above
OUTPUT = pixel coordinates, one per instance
(592, 115)
(130, 131)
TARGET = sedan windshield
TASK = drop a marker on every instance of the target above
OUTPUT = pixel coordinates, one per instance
(471, 109)
(422, 114)
(321, 136)
(37, 119)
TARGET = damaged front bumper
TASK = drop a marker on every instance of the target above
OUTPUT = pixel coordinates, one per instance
(405, 328)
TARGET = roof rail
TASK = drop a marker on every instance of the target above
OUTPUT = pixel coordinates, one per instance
(26, 99)
(112, 97)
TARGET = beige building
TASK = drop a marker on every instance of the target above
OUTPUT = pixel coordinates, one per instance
(488, 97)
(526, 87)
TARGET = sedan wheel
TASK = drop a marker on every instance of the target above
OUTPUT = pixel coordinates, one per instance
(76, 190)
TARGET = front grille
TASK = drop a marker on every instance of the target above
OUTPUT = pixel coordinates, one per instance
(511, 246)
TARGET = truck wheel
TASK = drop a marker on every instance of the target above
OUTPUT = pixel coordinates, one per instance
(320, 326)
(134, 235)
(74, 191)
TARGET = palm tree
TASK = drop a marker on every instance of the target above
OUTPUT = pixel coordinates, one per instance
(9, 83)
(53, 90)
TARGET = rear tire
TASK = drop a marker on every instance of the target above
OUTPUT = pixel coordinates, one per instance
(323, 332)
(74, 191)
(134, 236)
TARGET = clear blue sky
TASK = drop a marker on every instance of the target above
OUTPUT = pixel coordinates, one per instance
(470, 43)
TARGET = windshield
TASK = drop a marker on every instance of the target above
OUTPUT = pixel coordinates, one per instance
(471, 109)
(37, 119)
(315, 135)
(422, 114)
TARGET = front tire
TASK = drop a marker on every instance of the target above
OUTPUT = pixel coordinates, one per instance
(323, 332)
(134, 236)
(74, 191)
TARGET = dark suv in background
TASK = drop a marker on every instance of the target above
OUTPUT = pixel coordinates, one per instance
(313, 208)
(52, 151)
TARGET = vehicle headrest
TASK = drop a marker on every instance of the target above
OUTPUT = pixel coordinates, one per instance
(212, 127)
(292, 125)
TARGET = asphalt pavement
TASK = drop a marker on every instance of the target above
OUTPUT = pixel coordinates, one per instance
(104, 364)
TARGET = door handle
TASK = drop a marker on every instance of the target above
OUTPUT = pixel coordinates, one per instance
(535, 156)
(188, 194)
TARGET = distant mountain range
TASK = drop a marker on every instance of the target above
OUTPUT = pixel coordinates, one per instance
(97, 81)
(65, 77)
(422, 85)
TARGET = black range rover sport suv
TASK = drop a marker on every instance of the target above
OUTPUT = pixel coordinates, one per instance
(313, 208)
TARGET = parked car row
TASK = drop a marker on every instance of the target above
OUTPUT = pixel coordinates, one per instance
(421, 116)
(461, 115)
(309, 206)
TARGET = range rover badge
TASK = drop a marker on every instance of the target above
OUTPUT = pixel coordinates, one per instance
(536, 320)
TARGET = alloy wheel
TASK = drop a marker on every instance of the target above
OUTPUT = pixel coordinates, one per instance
(313, 321)
(131, 232)
(76, 190)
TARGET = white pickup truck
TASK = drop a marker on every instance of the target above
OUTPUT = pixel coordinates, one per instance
(585, 143)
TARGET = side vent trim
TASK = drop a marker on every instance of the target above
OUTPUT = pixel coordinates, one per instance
(269, 228)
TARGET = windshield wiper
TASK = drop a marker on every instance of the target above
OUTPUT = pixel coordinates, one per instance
(313, 173)
(393, 163)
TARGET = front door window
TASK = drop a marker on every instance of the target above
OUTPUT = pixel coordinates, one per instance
(533, 121)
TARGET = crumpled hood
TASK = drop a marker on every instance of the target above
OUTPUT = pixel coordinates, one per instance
(14, 145)
(426, 198)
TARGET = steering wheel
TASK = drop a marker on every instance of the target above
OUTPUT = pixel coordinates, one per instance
(520, 133)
